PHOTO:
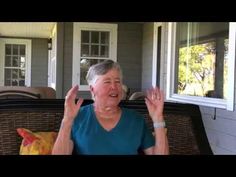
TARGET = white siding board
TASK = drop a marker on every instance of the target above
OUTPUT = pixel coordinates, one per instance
(221, 125)
(222, 140)
(221, 151)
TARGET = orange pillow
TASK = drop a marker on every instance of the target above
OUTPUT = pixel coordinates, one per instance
(36, 143)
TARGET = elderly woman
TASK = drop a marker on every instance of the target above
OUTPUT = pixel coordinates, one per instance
(105, 128)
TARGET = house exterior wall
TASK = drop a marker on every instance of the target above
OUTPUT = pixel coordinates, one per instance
(68, 46)
(60, 60)
(147, 55)
(221, 131)
(39, 62)
(129, 54)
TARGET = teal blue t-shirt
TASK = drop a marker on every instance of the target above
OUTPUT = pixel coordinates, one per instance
(128, 136)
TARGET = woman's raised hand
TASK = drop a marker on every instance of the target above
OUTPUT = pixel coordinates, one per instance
(71, 107)
(155, 103)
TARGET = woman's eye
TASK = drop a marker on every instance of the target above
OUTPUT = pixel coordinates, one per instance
(107, 82)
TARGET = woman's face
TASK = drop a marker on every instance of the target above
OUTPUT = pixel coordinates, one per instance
(107, 90)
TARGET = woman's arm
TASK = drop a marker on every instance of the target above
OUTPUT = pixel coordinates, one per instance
(155, 105)
(64, 144)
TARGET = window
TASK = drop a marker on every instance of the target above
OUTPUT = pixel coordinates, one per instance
(201, 63)
(92, 43)
(15, 62)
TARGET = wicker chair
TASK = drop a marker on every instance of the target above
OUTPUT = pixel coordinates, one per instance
(21, 92)
(186, 133)
(12, 94)
(137, 96)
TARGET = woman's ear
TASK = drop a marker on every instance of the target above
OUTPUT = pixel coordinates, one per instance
(92, 91)
(91, 88)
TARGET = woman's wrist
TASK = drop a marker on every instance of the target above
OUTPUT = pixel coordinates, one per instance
(158, 118)
(67, 122)
(161, 124)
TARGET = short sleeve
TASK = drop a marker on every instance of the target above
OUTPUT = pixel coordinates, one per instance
(147, 137)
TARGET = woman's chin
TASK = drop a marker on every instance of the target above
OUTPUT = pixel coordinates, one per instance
(113, 102)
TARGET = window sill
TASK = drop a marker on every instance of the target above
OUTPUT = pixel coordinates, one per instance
(201, 101)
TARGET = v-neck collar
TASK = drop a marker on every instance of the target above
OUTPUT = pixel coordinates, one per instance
(99, 124)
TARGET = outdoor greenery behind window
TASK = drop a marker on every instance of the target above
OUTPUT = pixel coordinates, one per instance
(202, 59)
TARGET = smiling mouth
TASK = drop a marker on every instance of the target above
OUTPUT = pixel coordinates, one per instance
(113, 95)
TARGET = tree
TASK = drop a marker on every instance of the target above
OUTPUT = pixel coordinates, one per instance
(196, 68)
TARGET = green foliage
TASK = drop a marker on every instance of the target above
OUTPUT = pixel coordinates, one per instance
(196, 68)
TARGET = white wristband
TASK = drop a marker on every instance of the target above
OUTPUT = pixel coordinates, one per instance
(159, 124)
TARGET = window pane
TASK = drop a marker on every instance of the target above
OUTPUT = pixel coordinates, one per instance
(104, 37)
(15, 61)
(95, 37)
(22, 83)
(8, 49)
(7, 83)
(22, 49)
(85, 36)
(14, 82)
(84, 50)
(94, 50)
(15, 49)
(15, 73)
(22, 62)
(202, 59)
(7, 73)
(84, 66)
(104, 51)
(7, 61)
(22, 74)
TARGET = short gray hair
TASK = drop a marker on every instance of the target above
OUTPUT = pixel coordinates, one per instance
(100, 69)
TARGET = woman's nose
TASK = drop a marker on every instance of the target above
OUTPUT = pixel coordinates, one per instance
(113, 85)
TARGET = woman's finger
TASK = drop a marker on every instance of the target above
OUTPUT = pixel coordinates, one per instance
(72, 92)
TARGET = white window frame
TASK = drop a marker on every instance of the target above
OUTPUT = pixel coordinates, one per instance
(26, 42)
(204, 101)
(77, 28)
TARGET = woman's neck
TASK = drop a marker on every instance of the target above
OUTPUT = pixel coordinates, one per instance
(106, 109)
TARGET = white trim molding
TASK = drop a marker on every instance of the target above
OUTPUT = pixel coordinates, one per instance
(231, 71)
(26, 42)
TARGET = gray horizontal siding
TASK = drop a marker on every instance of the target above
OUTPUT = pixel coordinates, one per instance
(221, 151)
(68, 56)
(147, 55)
(39, 62)
(221, 140)
(129, 54)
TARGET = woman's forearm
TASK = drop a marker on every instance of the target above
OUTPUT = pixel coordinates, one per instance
(161, 142)
(64, 144)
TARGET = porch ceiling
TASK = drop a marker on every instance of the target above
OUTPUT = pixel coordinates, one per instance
(27, 29)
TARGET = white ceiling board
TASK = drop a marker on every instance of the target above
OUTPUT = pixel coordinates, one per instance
(27, 29)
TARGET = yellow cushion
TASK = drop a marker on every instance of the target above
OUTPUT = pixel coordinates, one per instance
(36, 143)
